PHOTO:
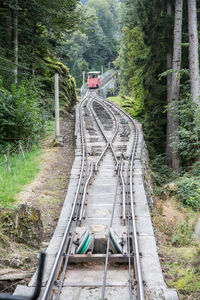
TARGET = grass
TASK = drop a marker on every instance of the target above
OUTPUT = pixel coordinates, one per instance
(22, 171)
(49, 129)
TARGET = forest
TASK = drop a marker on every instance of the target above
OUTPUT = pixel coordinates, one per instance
(31, 33)
(153, 45)
(159, 85)
(39, 37)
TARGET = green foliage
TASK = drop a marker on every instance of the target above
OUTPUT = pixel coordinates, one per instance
(142, 58)
(95, 44)
(180, 272)
(188, 144)
(185, 189)
(189, 131)
(189, 191)
(195, 169)
(67, 85)
(21, 114)
(131, 62)
(41, 25)
(162, 173)
(25, 107)
(183, 235)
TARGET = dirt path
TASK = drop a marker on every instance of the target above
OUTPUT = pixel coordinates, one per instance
(48, 189)
(46, 192)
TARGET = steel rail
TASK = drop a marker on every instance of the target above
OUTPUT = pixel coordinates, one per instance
(129, 261)
(97, 121)
(56, 266)
(82, 204)
(108, 241)
(123, 197)
(64, 268)
(102, 132)
(109, 112)
(91, 170)
(81, 175)
(115, 133)
(121, 173)
(136, 247)
(85, 190)
(100, 158)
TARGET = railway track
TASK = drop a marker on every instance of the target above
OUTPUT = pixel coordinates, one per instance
(102, 219)
(104, 246)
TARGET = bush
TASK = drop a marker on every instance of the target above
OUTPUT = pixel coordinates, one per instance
(189, 131)
(195, 170)
(189, 192)
(162, 173)
(21, 113)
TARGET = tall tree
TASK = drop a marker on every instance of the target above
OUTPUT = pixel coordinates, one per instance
(193, 51)
(169, 81)
(96, 43)
(142, 59)
(31, 30)
(15, 21)
(175, 86)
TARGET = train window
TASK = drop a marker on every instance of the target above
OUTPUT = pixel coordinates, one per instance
(94, 75)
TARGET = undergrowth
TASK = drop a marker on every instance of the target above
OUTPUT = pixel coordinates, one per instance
(186, 188)
(181, 274)
(175, 216)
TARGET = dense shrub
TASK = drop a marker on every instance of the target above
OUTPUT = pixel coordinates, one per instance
(189, 131)
(21, 113)
(189, 191)
(162, 173)
(195, 170)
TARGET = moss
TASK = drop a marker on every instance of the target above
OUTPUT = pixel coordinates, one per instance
(67, 83)
(34, 216)
(7, 222)
(29, 226)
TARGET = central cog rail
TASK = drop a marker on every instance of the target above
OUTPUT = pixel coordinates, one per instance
(101, 228)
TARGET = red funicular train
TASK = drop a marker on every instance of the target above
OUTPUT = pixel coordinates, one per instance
(93, 81)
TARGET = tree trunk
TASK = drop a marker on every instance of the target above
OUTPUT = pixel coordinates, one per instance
(176, 65)
(15, 21)
(193, 51)
(169, 82)
(8, 32)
